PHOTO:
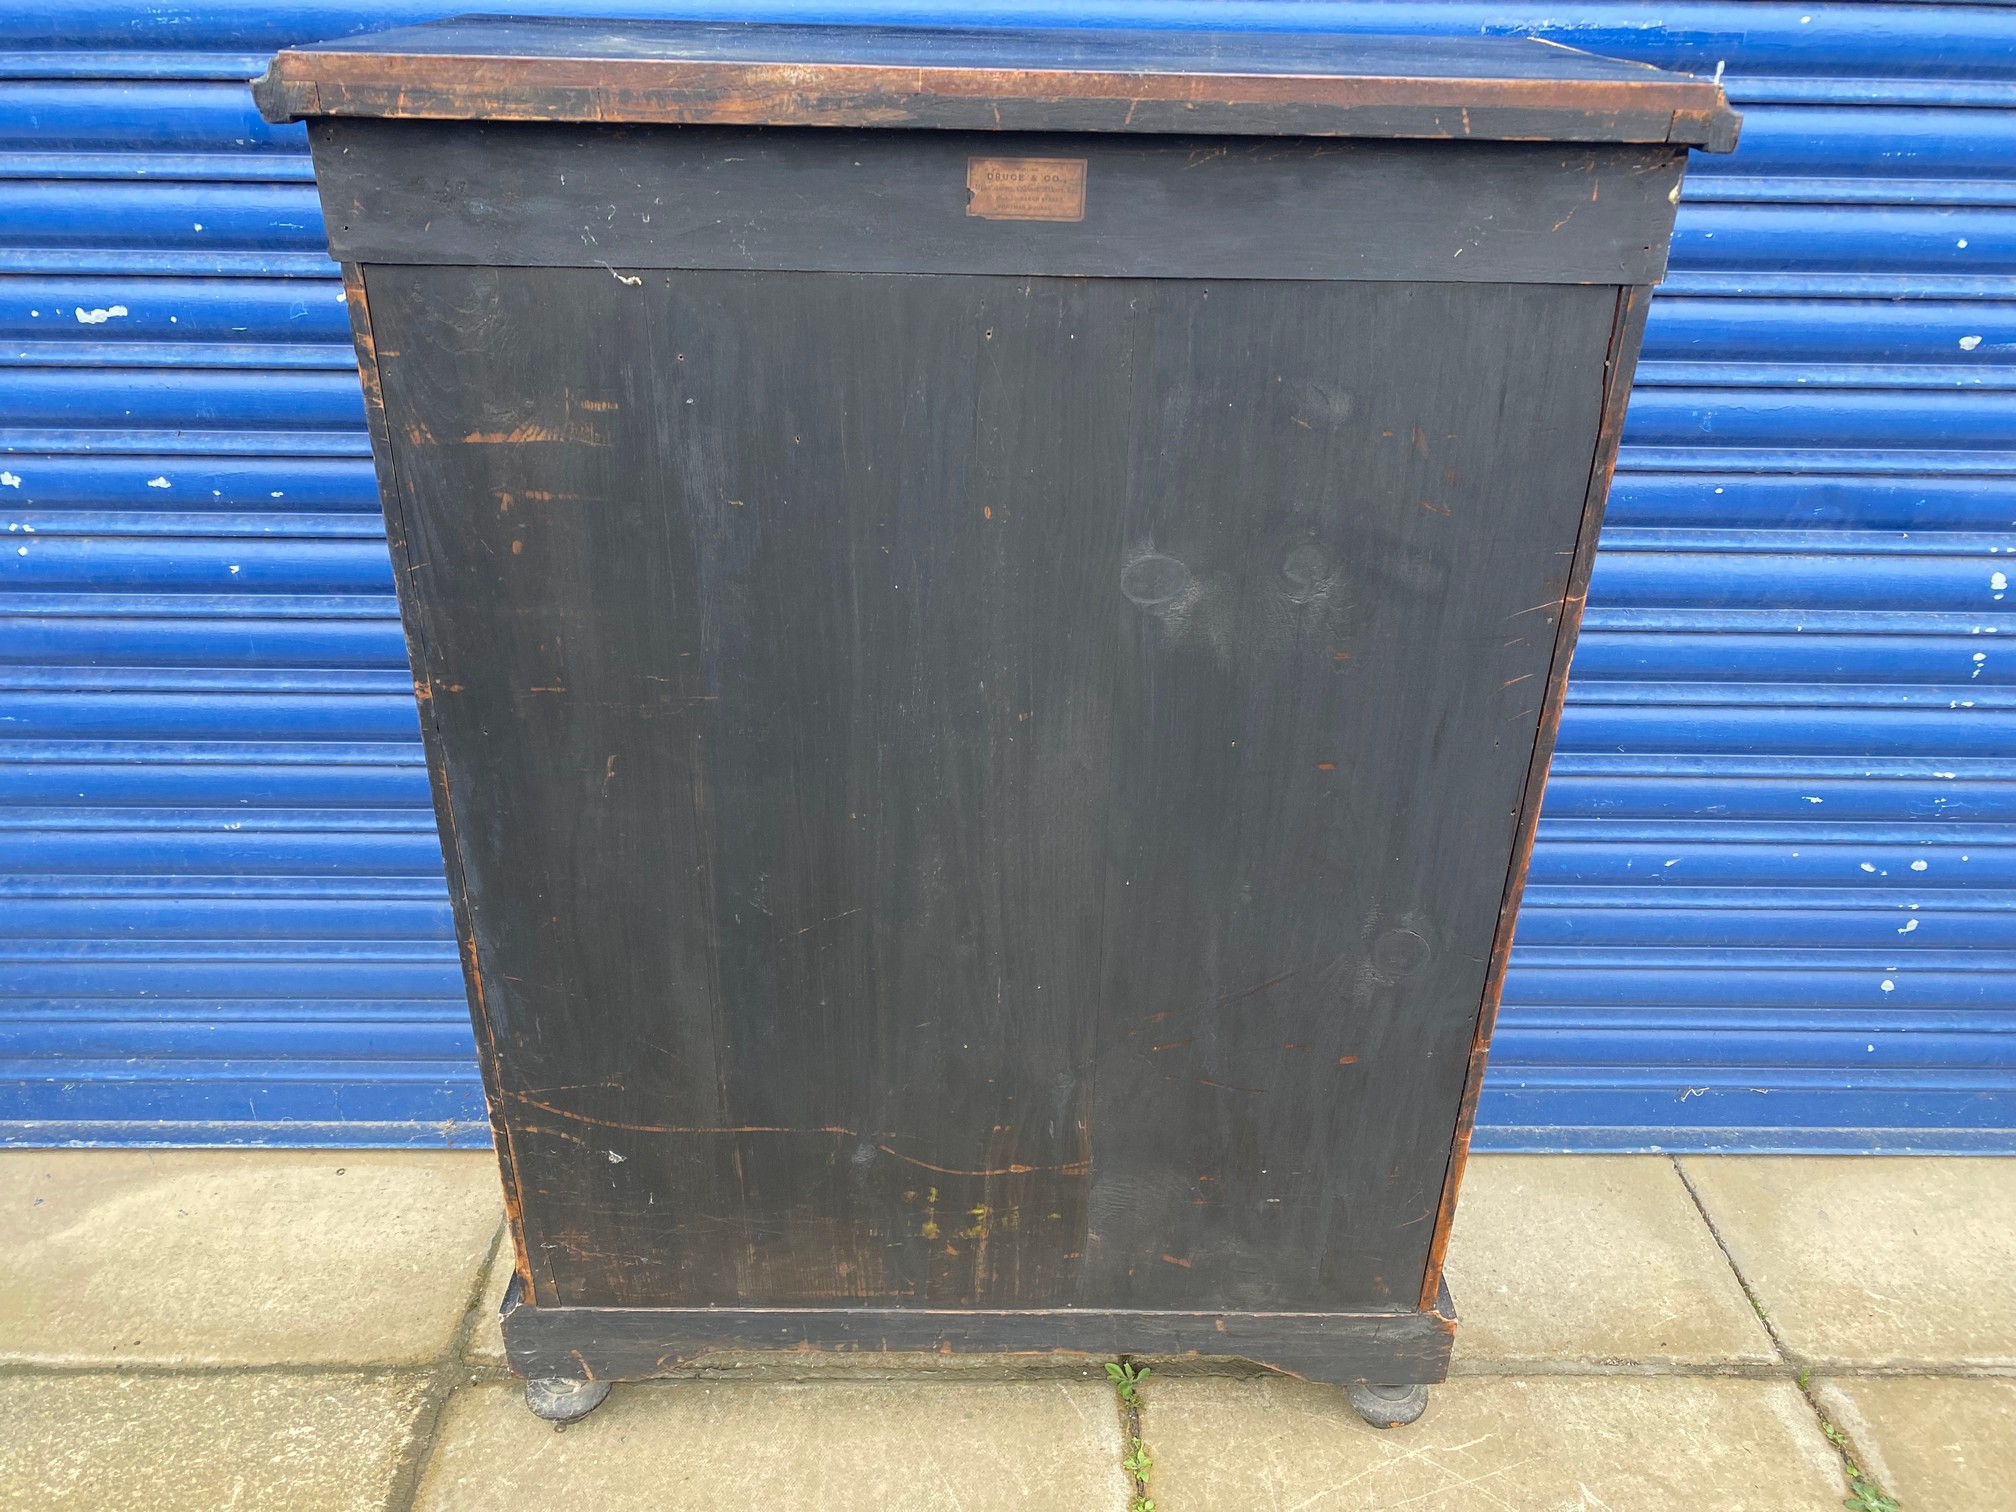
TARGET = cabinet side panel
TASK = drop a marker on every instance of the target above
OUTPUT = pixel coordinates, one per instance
(978, 790)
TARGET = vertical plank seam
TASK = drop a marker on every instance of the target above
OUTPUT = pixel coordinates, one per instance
(1619, 358)
(392, 503)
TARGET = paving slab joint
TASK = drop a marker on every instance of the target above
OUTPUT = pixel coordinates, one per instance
(1864, 1494)
(1783, 1350)
(449, 1371)
(1135, 1460)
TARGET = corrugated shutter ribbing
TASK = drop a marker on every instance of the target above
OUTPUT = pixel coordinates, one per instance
(1771, 905)
(225, 916)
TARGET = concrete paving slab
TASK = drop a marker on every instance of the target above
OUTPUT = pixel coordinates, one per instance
(1563, 1261)
(1935, 1443)
(201, 1443)
(486, 1339)
(710, 1447)
(1898, 1260)
(1537, 1444)
(252, 1257)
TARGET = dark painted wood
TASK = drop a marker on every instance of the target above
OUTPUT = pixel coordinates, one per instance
(896, 202)
(391, 499)
(985, 805)
(1235, 83)
(984, 792)
(637, 1343)
(1628, 332)
(1305, 60)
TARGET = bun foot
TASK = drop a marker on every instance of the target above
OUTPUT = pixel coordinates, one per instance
(559, 1400)
(1388, 1406)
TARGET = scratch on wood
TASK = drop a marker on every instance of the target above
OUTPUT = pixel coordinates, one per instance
(820, 924)
(1068, 1168)
(520, 435)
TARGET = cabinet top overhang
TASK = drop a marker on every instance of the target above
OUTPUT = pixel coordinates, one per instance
(1481, 89)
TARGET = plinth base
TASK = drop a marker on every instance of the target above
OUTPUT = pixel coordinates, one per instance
(638, 1343)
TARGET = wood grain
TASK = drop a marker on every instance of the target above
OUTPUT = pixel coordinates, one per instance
(1068, 80)
(984, 792)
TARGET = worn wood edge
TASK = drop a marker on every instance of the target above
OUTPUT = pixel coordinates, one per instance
(1676, 109)
(391, 502)
(1626, 332)
(1715, 128)
(380, 183)
(639, 1343)
(281, 99)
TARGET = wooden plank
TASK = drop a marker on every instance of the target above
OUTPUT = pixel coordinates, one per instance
(1009, 781)
(898, 202)
(390, 497)
(1621, 360)
(632, 1344)
(1246, 83)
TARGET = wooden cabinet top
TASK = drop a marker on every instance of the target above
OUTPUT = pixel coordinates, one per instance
(1071, 80)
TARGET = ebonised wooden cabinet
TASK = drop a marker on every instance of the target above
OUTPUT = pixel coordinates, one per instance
(989, 611)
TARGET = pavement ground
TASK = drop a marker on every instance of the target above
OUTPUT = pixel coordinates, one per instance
(308, 1331)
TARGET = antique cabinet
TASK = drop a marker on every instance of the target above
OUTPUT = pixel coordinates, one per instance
(988, 611)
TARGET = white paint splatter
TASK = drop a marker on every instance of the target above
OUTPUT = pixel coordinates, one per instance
(1917, 866)
(1811, 799)
(1909, 925)
(1968, 343)
(10, 480)
(614, 1158)
(1889, 986)
(157, 483)
(99, 317)
(1868, 866)
(234, 569)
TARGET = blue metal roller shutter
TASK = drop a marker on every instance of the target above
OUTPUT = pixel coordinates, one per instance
(1771, 907)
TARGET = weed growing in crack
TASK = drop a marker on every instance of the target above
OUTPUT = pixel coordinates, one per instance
(1127, 1377)
(1866, 1498)
(1864, 1494)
